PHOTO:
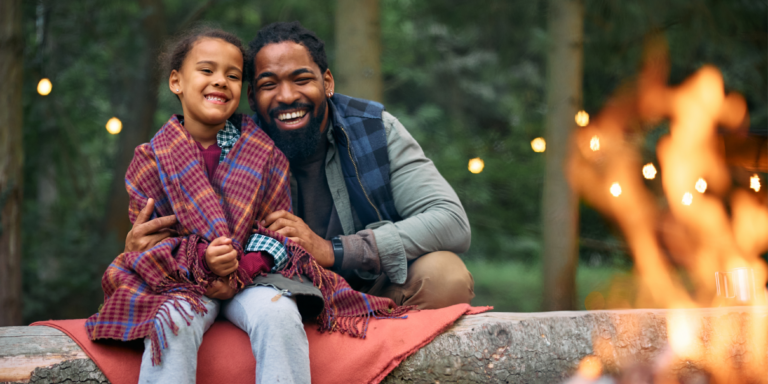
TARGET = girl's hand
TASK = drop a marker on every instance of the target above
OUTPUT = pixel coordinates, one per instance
(219, 289)
(221, 257)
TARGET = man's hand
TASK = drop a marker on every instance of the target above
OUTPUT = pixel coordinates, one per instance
(146, 234)
(219, 289)
(221, 257)
(294, 228)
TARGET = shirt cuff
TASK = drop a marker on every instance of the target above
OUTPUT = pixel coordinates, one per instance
(360, 252)
(391, 251)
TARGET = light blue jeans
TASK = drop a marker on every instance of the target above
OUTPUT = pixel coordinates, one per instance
(278, 340)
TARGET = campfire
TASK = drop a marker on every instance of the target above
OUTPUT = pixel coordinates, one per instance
(694, 226)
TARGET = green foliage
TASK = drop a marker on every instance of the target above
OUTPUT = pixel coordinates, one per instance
(466, 78)
(515, 286)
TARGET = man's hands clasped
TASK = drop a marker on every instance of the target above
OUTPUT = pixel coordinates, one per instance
(294, 228)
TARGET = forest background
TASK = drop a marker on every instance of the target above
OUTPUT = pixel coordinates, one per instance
(467, 79)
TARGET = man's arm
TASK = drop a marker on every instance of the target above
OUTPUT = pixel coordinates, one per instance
(433, 217)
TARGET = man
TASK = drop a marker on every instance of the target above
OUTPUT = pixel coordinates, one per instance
(367, 203)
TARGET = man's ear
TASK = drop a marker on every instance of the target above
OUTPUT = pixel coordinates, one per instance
(174, 82)
(328, 82)
(251, 98)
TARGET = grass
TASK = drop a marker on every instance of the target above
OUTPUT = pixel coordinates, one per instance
(514, 286)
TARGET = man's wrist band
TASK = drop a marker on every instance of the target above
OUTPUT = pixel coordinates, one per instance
(338, 253)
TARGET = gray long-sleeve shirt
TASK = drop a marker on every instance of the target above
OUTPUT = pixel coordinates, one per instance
(433, 217)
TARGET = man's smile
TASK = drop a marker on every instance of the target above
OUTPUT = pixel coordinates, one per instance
(290, 117)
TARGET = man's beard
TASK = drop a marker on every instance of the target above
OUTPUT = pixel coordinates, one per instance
(296, 144)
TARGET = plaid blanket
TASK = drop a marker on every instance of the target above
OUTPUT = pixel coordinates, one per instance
(250, 183)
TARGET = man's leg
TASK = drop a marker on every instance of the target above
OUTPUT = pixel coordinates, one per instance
(435, 280)
(278, 340)
(179, 359)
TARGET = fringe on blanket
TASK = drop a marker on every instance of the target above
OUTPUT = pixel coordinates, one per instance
(186, 288)
(330, 320)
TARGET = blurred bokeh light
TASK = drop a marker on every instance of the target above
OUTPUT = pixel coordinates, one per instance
(114, 126)
(44, 87)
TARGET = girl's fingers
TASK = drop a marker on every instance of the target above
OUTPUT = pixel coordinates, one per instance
(220, 250)
(220, 241)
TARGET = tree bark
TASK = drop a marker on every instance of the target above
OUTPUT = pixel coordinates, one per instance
(560, 205)
(11, 161)
(501, 348)
(138, 124)
(358, 49)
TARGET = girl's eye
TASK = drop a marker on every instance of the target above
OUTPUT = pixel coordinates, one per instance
(206, 70)
(234, 77)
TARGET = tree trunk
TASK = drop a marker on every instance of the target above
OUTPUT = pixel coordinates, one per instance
(138, 124)
(358, 49)
(11, 161)
(560, 209)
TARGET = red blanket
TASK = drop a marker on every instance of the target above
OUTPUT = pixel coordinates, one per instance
(334, 358)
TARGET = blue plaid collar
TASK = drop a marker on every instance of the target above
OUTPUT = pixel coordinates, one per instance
(226, 139)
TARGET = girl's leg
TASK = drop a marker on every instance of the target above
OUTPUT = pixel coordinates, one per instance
(278, 340)
(179, 359)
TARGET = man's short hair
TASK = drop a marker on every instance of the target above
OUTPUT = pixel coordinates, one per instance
(280, 32)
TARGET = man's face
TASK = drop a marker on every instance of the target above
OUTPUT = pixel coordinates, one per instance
(289, 94)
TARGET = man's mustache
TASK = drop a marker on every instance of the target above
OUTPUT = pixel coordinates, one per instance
(288, 107)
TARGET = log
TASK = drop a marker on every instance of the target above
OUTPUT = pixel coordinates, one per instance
(493, 347)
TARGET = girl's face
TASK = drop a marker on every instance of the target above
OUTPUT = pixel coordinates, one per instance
(209, 81)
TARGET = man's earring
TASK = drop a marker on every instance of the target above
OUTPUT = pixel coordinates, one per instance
(177, 89)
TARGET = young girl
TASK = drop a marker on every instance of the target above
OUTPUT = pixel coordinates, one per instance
(220, 175)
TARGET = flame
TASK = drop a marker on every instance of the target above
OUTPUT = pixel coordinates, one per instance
(687, 198)
(649, 171)
(726, 230)
(615, 189)
(590, 367)
(539, 144)
(476, 165)
(683, 333)
(582, 118)
(594, 143)
(701, 185)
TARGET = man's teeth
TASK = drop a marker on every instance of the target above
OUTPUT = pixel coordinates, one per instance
(291, 115)
(216, 98)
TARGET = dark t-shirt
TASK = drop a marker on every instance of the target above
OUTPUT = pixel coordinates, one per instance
(314, 202)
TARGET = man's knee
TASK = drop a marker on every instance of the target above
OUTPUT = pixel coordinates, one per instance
(440, 279)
